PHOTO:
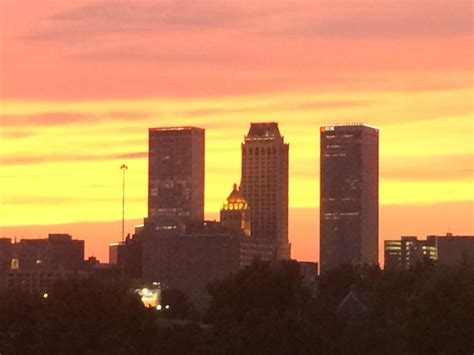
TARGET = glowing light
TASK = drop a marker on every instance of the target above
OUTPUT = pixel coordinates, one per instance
(150, 296)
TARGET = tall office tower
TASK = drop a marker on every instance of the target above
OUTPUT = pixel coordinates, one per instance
(265, 185)
(349, 199)
(175, 176)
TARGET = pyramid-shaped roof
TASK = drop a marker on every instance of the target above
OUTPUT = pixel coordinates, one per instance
(236, 196)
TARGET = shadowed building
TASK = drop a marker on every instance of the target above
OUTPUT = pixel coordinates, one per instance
(191, 260)
(116, 251)
(59, 251)
(34, 264)
(175, 176)
(127, 256)
(454, 249)
(6, 253)
(265, 184)
(349, 195)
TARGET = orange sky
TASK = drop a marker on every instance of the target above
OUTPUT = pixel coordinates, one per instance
(81, 81)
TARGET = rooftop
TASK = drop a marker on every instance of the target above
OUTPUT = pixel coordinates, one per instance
(264, 130)
(164, 129)
(236, 196)
(346, 125)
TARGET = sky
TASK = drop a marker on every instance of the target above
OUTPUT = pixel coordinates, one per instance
(82, 81)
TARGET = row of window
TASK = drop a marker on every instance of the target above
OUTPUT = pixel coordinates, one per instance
(258, 151)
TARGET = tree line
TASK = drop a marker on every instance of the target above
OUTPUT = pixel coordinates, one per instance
(266, 308)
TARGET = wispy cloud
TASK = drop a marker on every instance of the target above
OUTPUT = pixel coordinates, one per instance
(60, 158)
(134, 17)
(349, 18)
(67, 118)
(382, 19)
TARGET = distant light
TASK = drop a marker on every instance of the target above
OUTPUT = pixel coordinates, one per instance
(45, 295)
(167, 306)
(158, 308)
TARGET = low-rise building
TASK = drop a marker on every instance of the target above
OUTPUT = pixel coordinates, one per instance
(445, 250)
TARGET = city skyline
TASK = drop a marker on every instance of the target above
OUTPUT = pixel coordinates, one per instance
(89, 227)
(65, 130)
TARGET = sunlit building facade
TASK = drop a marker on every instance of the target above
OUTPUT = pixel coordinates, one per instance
(175, 176)
(349, 179)
(235, 213)
(264, 185)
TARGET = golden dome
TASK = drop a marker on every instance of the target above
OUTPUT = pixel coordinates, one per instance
(236, 196)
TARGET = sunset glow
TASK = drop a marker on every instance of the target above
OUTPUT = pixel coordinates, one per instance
(82, 81)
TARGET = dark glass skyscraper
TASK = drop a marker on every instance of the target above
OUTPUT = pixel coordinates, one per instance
(349, 195)
(176, 175)
(264, 184)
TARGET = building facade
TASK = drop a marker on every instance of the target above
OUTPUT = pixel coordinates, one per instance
(175, 176)
(407, 252)
(448, 250)
(454, 249)
(190, 261)
(58, 251)
(349, 175)
(235, 213)
(264, 185)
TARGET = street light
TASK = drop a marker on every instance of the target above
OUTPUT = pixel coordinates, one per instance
(123, 168)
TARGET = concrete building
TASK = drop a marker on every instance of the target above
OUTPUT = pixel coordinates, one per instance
(264, 185)
(41, 280)
(57, 251)
(309, 270)
(454, 249)
(349, 175)
(190, 261)
(407, 252)
(116, 251)
(6, 253)
(449, 250)
(175, 176)
(35, 264)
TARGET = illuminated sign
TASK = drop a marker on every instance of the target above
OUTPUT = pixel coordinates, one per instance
(327, 128)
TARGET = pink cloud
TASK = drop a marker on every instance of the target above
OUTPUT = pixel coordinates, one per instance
(148, 49)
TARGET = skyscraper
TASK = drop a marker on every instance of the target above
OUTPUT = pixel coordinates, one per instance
(349, 195)
(176, 176)
(264, 184)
